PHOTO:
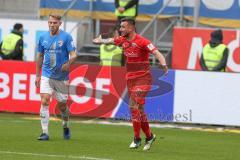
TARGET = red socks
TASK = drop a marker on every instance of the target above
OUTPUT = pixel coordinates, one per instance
(136, 121)
(139, 120)
(145, 125)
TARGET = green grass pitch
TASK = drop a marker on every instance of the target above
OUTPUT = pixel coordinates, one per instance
(109, 142)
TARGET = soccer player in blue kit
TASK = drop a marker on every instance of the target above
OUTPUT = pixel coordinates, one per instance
(54, 49)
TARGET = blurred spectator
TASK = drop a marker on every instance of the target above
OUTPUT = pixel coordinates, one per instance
(126, 8)
(215, 53)
(110, 54)
(12, 44)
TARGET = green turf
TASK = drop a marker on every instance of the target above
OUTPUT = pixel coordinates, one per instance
(110, 142)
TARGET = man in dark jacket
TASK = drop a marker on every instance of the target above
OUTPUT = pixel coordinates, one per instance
(215, 53)
(11, 48)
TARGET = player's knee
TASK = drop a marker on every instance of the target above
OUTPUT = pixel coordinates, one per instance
(61, 106)
(45, 101)
(132, 104)
(141, 108)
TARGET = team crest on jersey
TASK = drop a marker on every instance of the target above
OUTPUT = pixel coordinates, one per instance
(60, 43)
(45, 42)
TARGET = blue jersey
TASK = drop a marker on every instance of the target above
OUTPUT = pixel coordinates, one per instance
(55, 50)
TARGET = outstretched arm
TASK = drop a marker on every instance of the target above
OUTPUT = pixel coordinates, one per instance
(100, 40)
(161, 60)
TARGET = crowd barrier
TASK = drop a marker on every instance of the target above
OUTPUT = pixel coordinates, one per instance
(100, 92)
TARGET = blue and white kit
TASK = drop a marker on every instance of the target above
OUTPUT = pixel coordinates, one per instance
(55, 50)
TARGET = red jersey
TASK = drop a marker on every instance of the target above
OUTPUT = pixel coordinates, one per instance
(136, 54)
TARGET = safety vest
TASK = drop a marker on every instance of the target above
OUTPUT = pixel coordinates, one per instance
(213, 56)
(9, 43)
(130, 12)
(110, 55)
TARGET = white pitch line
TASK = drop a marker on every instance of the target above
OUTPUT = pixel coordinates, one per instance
(52, 155)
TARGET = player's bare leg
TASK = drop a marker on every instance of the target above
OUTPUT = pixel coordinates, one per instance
(44, 115)
(65, 118)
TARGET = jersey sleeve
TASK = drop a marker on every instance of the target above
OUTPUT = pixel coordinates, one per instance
(118, 41)
(70, 45)
(40, 45)
(149, 46)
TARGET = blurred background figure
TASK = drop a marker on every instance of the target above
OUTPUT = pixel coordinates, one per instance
(126, 8)
(215, 53)
(110, 54)
(12, 44)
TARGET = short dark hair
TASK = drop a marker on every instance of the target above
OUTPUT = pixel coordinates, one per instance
(17, 26)
(216, 36)
(130, 20)
(56, 16)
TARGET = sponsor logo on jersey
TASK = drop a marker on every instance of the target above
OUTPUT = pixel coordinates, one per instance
(131, 54)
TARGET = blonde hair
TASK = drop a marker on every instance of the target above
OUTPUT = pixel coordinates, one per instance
(56, 16)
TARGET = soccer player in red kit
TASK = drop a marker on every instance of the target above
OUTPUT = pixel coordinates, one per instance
(136, 51)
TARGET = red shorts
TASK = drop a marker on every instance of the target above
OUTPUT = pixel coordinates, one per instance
(139, 87)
